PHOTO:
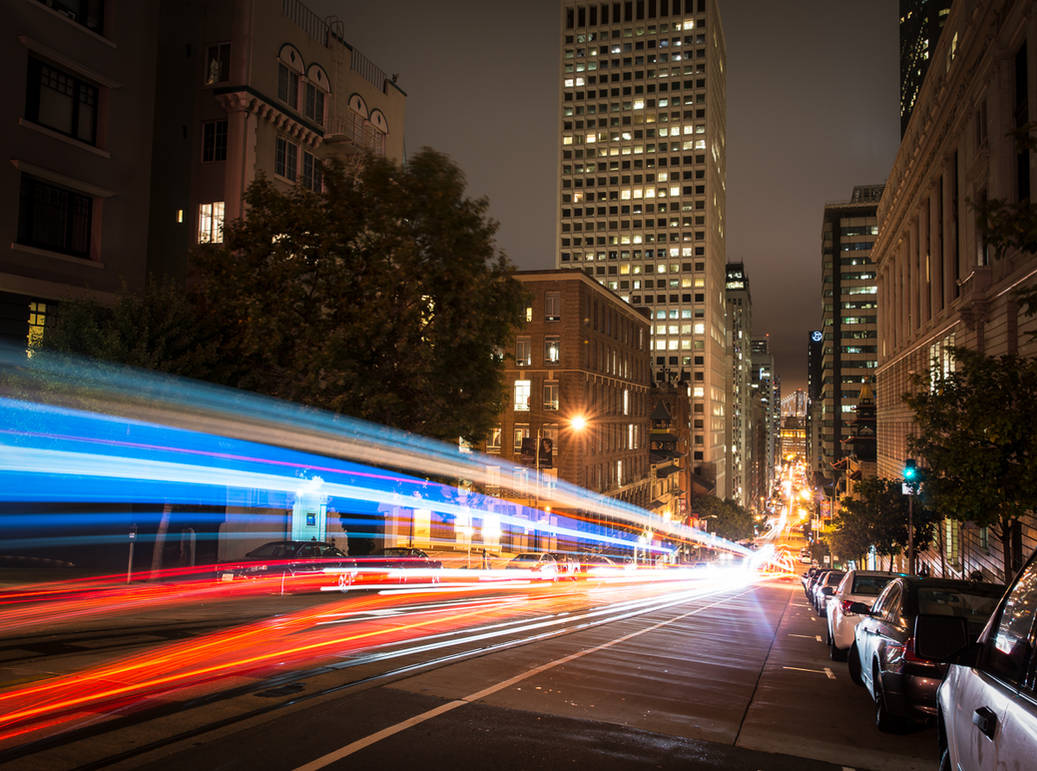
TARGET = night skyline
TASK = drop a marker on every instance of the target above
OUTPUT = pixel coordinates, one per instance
(799, 135)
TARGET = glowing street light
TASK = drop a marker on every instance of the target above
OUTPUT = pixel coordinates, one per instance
(578, 423)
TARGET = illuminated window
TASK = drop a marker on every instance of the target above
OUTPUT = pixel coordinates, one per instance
(210, 223)
(217, 64)
(552, 306)
(37, 322)
(551, 396)
(552, 350)
(493, 440)
(522, 394)
(521, 432)
(523, 352)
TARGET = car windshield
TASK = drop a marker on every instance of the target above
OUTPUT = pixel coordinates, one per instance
(975, 606)
(277, 550)
(399, 553)
(834, 578)
(869, 585)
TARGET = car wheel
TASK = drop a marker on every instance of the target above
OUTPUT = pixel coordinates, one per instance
(884, 720)
(835, 654)
(853, 663)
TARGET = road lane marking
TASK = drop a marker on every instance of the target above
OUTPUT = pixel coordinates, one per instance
(367, 741)
(817, 637)
(825, 671)
(807, 636)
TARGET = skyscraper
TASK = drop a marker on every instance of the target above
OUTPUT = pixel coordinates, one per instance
(920, 24)
(642, 163)
(849, 309)
(740, 330)
(765, 395)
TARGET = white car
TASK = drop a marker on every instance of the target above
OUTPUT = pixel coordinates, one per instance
(857, 586)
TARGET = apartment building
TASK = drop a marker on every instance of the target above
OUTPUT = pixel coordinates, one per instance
(77, 132)
(579, 377)
(255, 87)
(641, 195)
(848, 316)
(939, 284)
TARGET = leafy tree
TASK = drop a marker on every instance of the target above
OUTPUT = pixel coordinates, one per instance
(974, 432)
(384, 298)
(732, 521)
(877, 515)
(159, 330)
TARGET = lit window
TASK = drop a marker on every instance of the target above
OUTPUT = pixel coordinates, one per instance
(37, 322)
(552, 350)
(521, 432)
(522, 394)
(210, 223)
(217, 64)
(493, 440)
(523, 352)
(550, 396)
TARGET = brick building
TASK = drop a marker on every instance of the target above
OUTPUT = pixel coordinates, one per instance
(582, 353)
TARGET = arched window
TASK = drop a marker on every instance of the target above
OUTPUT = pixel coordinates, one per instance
(289, 68)
(316, 90)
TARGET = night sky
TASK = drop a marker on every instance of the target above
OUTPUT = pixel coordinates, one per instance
(811, 112)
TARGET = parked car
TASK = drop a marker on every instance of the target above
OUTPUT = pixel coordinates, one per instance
(543, 565)
(286, 557)
(807, 577)
(861, 586)
(400, 557)
(568, 565)
(882, 658)
(812, 580)
(986, 711)
(829, 580)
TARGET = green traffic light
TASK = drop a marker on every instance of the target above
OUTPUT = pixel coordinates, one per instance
(910, 470)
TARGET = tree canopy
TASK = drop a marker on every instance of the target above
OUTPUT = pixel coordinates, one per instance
(975, 437)
(877, 515)
(383, 297)
(730, 520)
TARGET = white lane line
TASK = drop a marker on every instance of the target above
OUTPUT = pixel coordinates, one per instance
(817, 637)
(807, 636)
(830, 673)
(826, 670)
(367, 741)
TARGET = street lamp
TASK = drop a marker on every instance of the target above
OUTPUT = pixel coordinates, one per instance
(578, 423)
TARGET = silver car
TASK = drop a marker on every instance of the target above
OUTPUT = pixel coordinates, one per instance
(987, 705)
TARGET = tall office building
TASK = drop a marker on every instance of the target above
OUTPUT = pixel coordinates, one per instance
(920, 25)
(794, 404)
(642, 166)
(740, 330)
(849, 309)
(814, 351)
(765, 443)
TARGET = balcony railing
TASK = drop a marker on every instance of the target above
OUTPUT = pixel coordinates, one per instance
(357, 130)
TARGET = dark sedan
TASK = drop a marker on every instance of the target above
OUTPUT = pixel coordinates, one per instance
(286, 558)
(902, 684)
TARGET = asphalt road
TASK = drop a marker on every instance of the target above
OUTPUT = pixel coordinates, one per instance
(730, 679)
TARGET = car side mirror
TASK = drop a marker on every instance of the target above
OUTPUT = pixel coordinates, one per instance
(941, 638)
(860, 608)
(828, 591)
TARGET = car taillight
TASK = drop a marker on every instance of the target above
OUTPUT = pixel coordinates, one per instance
(909, 653)
(846, 607)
